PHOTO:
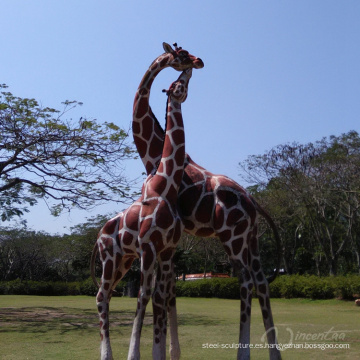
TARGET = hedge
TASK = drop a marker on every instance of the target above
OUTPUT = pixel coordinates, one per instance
(221, 288)
(294, 286)
(314, 287)
(42, 288)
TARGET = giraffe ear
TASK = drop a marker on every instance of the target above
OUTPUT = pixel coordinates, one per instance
(167, 48)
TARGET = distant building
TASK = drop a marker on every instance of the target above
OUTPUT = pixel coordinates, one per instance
(209, 275)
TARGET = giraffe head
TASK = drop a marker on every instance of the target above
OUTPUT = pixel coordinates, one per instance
(178, 90)
(182, 59)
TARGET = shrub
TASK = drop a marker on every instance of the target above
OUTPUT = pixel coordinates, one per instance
(120, 289)
(221, 288)
(347, 287)
(228, 288)
(287, 286)
(70, 288)
(3, 288)
(318, 288)
(38, 288)
(276, 288)
(87, 287)
(292, 286)
(16, 287)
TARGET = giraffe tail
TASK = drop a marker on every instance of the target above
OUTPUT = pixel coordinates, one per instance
(270, 221)
(92, 265)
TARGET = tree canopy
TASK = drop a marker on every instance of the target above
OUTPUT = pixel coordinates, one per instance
(67, 163)
(313, 191)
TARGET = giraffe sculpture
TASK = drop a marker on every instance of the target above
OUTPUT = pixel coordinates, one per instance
(214, 206)
(149, 229)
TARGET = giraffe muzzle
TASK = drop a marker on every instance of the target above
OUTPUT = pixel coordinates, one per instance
(198, 63)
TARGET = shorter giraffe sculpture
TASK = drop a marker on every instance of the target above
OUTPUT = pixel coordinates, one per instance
(149, 229)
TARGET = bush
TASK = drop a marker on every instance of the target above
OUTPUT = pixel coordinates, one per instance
(40, 288)
(37, 288)
(293, 287)
(228, 289)
(16, 287)
(3, 288)
(70, 288)
(87, 287)
(286, 286)
(221, 288)
(276, 288)
(347, 287)
(314, 287)
(318, 288)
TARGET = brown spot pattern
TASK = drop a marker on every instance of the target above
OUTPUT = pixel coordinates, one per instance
(148, 256)
(219, 217)
(233, 216)
(110, 226)
(241, 227)
(237, 245)
(205, 208)
(169, 166)
(228, 198)
(108, 271)
(142, 107)
(205, 232)
(163, 216)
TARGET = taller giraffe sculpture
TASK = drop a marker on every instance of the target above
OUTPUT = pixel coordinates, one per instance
(214, 205)
(149, 229)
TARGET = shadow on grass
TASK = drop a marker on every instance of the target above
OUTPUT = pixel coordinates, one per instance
(191, 320)
(65, 320)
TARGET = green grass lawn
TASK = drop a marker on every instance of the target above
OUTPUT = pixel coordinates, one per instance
(33, 327)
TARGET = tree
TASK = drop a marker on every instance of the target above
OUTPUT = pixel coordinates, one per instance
(24, 255)
(314, 190)
(196, 254)
(71, 164)
(80, 244)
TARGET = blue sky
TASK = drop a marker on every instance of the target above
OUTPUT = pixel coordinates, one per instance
(275, 71)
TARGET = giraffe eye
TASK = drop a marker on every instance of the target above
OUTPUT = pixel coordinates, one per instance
(183, 55)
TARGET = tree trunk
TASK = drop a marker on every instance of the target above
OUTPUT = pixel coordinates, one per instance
(333, 266)
(357, 260)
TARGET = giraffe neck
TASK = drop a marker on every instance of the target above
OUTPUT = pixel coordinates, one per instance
(171, 165)
(145, 126)
(160, 63)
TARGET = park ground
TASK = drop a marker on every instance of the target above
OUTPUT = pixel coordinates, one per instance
(33, 327)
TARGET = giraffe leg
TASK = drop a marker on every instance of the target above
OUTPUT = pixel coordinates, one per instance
(172, 313)
(147, 260)
(159, 311)
(263, 293)
(114, 268)
(163, 286)
(106, 250)
(102, 302)
(246, 285)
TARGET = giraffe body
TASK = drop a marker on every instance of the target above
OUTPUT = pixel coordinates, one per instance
(149, 229)
(213, 205)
